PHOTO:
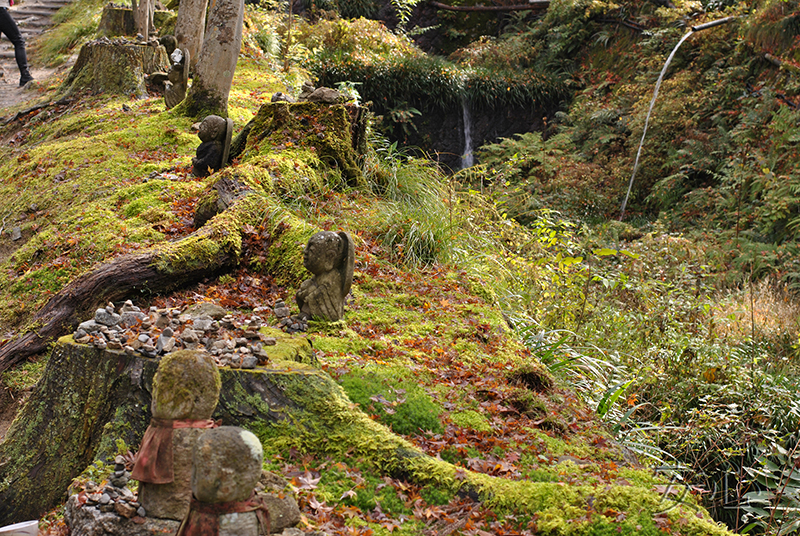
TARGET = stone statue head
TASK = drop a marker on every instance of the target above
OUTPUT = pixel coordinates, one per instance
(186, 386)
(212, 128)
(323, 252)
(227, 465)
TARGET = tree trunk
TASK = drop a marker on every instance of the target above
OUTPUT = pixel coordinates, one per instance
(190, 28)
(213, 73)
(105, 66)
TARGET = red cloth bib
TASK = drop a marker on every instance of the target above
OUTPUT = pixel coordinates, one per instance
(203, 518)
(154, 461)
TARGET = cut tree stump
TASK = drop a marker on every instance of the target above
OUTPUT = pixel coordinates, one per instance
(88, 398)
(116, 66)
(116, 21)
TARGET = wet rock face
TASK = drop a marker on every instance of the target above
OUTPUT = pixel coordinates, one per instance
(186, 386)
(227, 465)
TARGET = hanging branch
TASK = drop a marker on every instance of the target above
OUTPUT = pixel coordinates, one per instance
(532, 5)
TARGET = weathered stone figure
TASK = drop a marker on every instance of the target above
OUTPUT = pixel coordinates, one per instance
(227, 466)
(215, 133)
(330, 257)
(213, 72)
(178, 78)
(185, 392)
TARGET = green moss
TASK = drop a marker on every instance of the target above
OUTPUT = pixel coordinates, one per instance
(397, 400)
(471, 419)
(295, 348)
(23, 377)
(322, 129)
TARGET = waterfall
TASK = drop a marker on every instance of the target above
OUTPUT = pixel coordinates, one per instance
(655, 94)
(466, 158)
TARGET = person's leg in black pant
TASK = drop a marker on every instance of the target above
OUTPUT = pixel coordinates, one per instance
(9, 28)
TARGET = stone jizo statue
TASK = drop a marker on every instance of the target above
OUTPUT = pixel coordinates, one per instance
(177, 78)
(227, 467)
(330, 257)
(215, 133)
(185, 393)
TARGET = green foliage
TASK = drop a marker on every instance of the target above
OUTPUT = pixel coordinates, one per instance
(774, 508)
(418, 225)
(75, 23)
(392, 72)
(398, 402)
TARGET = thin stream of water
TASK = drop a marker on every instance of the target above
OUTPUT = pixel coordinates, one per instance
(647, 119)
(655, 94)
(466, 158)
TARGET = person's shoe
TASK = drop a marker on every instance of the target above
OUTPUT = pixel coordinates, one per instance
(24, 79)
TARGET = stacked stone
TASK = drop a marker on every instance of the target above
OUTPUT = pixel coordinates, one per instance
(287, 321)
(115, 496)
(185, 388)
(204, 327)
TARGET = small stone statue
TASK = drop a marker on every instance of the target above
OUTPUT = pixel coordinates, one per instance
(178, 78)
(215, 133)
(227, 467)
(185, 393)
(330, 257)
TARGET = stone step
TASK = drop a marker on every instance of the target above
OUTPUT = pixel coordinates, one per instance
(34, 22)
(33, 11)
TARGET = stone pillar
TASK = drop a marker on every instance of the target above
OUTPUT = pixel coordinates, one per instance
(185, 393)
(213, 73)
(190, 27)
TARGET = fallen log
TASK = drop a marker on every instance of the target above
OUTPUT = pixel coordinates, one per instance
(208, 251)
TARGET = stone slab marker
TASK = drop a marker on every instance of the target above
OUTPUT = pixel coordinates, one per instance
(185, 393)
(227, 467)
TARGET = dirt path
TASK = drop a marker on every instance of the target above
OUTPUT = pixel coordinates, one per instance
(33, 17)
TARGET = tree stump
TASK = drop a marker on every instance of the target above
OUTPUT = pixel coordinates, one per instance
(116, 21)
(116, 66)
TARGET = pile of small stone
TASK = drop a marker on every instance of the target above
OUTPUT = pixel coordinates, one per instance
(232, 341)
(287, 321)
(114, 496)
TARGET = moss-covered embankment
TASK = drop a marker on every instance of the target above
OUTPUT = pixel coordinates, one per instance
(89, 400)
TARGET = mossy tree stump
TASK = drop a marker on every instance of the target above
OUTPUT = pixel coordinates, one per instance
(116, 66)
(334, 132)
(88, 398)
